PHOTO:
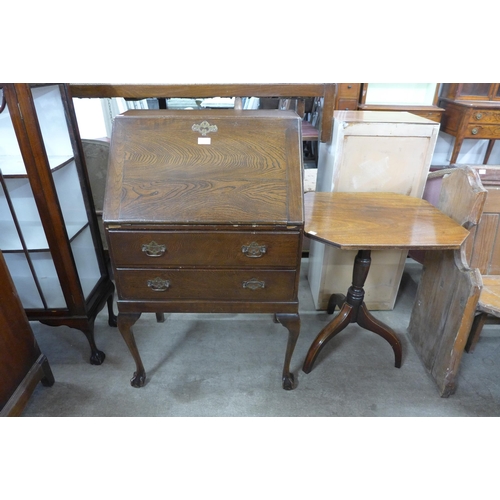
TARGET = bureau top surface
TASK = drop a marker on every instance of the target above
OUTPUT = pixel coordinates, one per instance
(205, 167)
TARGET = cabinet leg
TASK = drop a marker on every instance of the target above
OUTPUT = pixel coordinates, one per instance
(47, 379)
(491, 143)
(97, 357)
(112, 320)
(125, 323)
(292, 323)
(456, 149)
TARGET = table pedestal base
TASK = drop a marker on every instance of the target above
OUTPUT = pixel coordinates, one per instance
(353, 310)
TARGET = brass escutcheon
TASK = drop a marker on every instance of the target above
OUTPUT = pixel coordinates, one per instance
(254, 284)
(254, 250)
(159, 285)
(153, 249)
(204, 128)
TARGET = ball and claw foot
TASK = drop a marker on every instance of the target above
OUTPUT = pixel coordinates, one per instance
(97, 357)
(288, 382)
(138, 380)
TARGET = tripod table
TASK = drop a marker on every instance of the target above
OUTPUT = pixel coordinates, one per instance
(366, 221)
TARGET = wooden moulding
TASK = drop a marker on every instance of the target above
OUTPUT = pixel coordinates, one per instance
(39, 372)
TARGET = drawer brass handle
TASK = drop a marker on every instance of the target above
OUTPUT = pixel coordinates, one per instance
(254, 284)
(159, 285)
(254, 250)
(478, 116)
(474, 131)
(153, 249)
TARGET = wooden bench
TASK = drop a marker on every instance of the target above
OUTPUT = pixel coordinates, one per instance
(449, 289)
(486, 254)
(483, 248)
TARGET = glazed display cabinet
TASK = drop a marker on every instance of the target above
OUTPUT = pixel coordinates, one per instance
(48, 228)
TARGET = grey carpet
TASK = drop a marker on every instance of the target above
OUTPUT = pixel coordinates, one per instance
(204, 365)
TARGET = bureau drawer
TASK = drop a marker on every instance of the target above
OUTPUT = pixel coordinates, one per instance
(483, 131)
(347, 104)
(194, 284)
(348, 90)
(485, 117)
(204, 249)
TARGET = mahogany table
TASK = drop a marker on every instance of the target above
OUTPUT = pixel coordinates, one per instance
(366, 222)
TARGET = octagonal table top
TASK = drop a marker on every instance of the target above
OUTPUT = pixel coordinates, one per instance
(370, 221)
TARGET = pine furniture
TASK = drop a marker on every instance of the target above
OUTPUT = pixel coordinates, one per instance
(449, 287)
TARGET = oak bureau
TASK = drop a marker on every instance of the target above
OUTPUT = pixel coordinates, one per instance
(204, 213)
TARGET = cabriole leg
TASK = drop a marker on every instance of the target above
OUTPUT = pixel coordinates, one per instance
(125, 323)
(292, 323)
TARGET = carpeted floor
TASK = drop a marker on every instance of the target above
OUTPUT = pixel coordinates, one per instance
(204, 365)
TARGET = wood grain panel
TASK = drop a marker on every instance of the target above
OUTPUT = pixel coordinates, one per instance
(484, 241)
(221, 285)
(208, 248)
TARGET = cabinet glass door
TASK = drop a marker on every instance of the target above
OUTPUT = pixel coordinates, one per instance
(476, 90)
(496, 95)
(23, 239)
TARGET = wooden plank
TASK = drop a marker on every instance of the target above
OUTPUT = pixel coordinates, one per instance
(449, 290)
(490, 295)
(442, 315)
(483, 242)
(190, 90)
(493, 201)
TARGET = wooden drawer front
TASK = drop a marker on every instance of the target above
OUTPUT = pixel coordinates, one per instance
(348, 90)
(202, 249)
(347, 104)
(193, 284)
(486, 117)
(483, 131)
(430, 115)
